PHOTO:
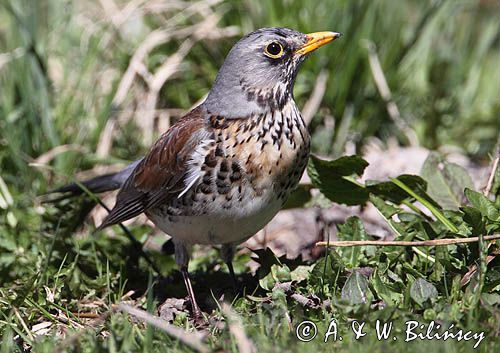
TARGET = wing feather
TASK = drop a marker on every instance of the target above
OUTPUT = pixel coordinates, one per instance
(161, 174)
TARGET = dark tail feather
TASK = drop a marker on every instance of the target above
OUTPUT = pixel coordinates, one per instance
(99, 184)
(96, 185)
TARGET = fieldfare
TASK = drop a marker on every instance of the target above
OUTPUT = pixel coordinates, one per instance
(221, 173)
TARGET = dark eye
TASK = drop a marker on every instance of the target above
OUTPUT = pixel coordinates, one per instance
(274, 50)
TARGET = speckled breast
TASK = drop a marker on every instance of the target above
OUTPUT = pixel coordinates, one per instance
(244, 174)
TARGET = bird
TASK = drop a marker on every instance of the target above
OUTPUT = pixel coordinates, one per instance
(222, 172)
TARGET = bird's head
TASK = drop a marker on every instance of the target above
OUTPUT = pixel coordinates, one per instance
(259, 71)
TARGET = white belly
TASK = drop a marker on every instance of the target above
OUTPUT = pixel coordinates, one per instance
(220, 226)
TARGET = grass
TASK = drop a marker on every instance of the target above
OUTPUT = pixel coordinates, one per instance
(62, 64)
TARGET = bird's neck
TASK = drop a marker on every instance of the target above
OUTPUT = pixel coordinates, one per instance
(234, 99)
(273, 126)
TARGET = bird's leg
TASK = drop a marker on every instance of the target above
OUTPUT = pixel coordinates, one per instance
(182, 259)
(227, 254)
(189, 288)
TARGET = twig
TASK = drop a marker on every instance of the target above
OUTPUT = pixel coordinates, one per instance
(205, 30)
(84, 315)
(189, 339)
(179, 7)
(473, 269)
(159, 37)
(70, 341)
(127, 11)
(54, 152)
(111, 10)
(5, 58)
(23, 325)
(314, 101)
(493, 172)
(106, 139)
(245, 345)
(166, 70)
(434, 242)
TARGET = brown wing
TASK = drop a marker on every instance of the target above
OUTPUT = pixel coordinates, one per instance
(161, 172)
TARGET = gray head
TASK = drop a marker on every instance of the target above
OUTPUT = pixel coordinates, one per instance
(259, 71)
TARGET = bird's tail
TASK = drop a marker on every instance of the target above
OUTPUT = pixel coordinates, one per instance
(96, 185)
(101, 183)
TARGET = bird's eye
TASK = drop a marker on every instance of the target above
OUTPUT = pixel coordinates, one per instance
(274, 50)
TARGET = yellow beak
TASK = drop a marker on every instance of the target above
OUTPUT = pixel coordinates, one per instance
(316, 40)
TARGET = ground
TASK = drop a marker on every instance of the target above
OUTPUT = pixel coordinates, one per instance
(87, 86)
